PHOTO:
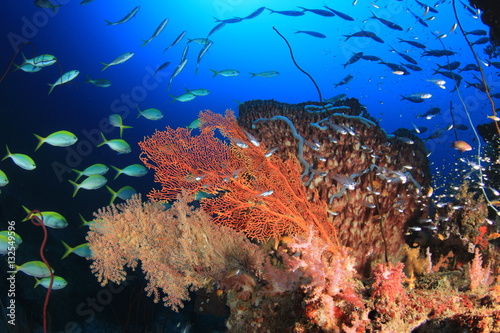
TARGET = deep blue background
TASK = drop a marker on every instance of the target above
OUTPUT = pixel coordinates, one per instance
(80, 39)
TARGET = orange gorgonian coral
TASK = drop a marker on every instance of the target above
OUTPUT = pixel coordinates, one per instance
(258, 194)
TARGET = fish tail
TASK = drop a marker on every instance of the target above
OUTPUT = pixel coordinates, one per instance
(105, 66)
(69, 249)
(140, 112)
(16, 67)
(122, 127)
(113, 194)
(109, 22)
(40, 141)
(88, 79)
(118, 171)
(84, 222)
(8, 153)
(51, 87)
(346, 38)
(174, 98)
(103, 140)
(77, 187)
(27, 212)
(215, 73)
(37, 280)
(253, 75)
(79, 174)
(146, 43)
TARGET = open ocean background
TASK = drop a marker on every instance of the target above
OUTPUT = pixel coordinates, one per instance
(79, 38)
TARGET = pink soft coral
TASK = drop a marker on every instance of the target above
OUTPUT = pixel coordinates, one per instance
(388, 291)
(328, 280)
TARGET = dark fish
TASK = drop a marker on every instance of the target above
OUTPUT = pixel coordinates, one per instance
(321, 12)
(476, 85)
(470, 67)
(339, 14)
(345, 80)
(353, 59)
(413, 99)
(413, 67)
(216, 28)
(418, 18)
(255, 13)
(430, 113)
(389, 24)
(162, 66)
(450, 75)
(413, 43)
(495, 64)
(477, 33)
(449, 67)
(405, 56)
(423, 5)
(231, 20)
(370, 58)
(311, 33)
(177, 40)
(436, 134)
(419, 130)
(395, 67)
(364, 33)
(472, 11)
(482, 40)
(438, 53)
(287, 12)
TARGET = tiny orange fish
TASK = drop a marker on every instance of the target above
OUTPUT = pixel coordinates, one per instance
(462, 146)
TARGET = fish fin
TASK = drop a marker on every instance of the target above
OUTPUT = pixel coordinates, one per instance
(37, 282)
(215, 73)
(88, 79)
(51, 87)
(140, 112)
(113, 194)
(253, 75)
(69, 249)
(104, 140)
(79, 174)
(77, 187)
(8, 153)
(105, 66)
(174, 98)
(40, 141)
(118, 171)
(27, 212)
(84, 222)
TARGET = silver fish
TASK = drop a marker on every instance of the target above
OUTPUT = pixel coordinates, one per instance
(177, 71)
(126, 18)
(157, 31)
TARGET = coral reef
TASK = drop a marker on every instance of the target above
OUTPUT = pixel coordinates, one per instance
(335, 195)
(374, 184)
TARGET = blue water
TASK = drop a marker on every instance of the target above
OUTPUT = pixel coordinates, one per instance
(80, 39)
